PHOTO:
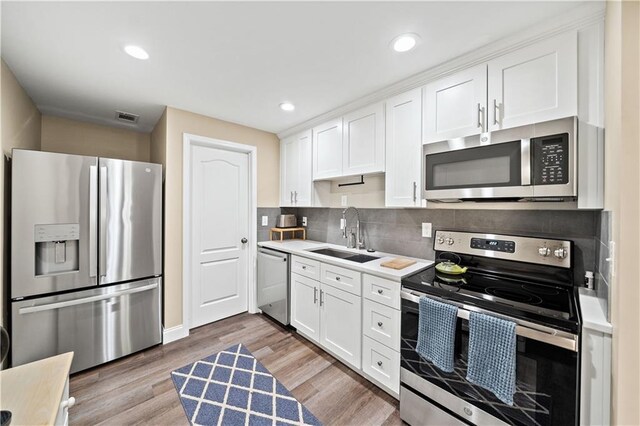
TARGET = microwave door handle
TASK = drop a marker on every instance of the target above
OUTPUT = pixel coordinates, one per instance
(525, 166)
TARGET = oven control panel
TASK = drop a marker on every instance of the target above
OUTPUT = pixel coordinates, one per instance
(543, 251)
(494, 245)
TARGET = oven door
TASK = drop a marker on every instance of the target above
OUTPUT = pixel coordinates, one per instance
(546, 376)
(499, 170)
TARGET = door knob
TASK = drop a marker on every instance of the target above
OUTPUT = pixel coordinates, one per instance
(244, 241)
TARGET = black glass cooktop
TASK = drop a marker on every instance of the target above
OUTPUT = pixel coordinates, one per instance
(547, 304)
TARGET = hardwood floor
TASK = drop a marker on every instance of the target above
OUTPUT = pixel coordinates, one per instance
(138, 389)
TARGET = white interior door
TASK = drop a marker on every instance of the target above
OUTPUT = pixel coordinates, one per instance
(219, 234)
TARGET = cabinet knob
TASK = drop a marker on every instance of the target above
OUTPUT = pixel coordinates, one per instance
(379, 291)
(244, 240)
(337, 278)
(379, 363)
(304, 267)
(68, 403)
(379, 323)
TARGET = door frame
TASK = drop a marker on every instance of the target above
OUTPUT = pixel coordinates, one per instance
(190, 140)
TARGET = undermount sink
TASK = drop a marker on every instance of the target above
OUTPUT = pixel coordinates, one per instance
(346, 255)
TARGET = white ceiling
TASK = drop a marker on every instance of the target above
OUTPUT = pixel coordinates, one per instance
(237, 61)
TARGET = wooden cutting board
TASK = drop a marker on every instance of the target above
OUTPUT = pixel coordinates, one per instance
(398, 263)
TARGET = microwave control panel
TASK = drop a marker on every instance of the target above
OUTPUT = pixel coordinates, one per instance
(550, 159)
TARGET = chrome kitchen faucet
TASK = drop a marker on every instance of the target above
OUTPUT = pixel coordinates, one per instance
(353, 241)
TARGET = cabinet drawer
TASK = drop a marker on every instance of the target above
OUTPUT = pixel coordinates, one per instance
(381, 363)
(381, 290)
(381, 323)
(306, 267)
(342, 278)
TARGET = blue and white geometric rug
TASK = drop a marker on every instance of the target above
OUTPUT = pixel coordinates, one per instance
(233, 388)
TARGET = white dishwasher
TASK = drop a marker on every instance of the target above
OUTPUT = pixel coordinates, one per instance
(273, 284)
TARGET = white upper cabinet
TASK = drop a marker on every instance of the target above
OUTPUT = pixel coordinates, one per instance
(327, 150)
(455, 106)
(295, 171)
(404, 150)
(533, 84)
(363, 141)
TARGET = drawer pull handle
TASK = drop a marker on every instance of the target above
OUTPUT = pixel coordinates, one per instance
(380, 291)
(304, 267)
(379, 323)
(337, 278)
(379, 363)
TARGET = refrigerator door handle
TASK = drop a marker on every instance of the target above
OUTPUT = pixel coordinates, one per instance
(93, 221)
(103, 222)
(67, 303)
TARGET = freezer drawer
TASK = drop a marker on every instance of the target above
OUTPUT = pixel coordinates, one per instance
(273, 284)
(98, 325)
(130, 220)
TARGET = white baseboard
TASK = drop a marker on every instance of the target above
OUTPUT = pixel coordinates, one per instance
(174, 333)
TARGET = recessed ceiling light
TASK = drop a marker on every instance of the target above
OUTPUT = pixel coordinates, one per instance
(287, 106)
(137, 52)
(405, 42)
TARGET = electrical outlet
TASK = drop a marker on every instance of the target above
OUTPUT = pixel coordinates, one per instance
(344, 201)
(265, 220)
(426, 230)
(304, 221)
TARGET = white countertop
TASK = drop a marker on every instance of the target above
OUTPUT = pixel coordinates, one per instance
(593, 312)
(302, 247)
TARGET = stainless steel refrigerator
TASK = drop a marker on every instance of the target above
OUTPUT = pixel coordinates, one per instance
(86, 257)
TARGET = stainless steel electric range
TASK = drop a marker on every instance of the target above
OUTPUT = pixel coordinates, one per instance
(525, 280)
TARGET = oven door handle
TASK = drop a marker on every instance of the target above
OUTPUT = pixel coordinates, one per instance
(523, 328)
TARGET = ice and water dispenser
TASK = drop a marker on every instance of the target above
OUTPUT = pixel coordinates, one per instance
(57, 248)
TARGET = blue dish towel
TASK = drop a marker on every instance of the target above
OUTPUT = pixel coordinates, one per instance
(492, 355)
(437, 333)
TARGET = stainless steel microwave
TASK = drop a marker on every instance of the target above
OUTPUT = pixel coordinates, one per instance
(537, 162)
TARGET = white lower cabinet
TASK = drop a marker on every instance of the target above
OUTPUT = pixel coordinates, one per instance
(353, 316)
(305, 315)
(62, 418)
(381, 332)
(340, 324)
(328, 316)
(381, 323)
(381, 363)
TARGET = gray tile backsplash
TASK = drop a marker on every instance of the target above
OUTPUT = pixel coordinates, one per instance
(603, 270)
(271, 213)
(399, 231)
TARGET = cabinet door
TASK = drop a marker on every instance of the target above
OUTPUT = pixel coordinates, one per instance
(404, 149)
(455, 106)
(533, 84)
(305, 316)
(304, 183)
(363, 143)
(341, 324)
(327, 150)
(288, 170)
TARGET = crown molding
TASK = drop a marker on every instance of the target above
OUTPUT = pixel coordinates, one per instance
(576, 19)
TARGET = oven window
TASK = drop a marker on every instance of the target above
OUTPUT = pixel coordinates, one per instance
(484, 166)
(546, 377)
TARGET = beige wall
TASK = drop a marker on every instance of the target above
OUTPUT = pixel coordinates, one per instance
(77, 137)
(622, 176)
(158, 149)
(19, 128)
(178, 122)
